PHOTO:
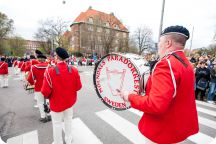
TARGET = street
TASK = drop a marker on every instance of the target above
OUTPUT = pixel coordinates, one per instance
(93, 123)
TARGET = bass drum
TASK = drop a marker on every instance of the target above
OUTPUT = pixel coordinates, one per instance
(117, 71)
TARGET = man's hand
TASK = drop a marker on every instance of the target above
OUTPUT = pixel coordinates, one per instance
(123, 94)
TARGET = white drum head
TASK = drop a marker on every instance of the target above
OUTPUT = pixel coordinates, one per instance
(115, 71)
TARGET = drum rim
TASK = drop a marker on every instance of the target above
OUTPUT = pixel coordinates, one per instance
(94, 80)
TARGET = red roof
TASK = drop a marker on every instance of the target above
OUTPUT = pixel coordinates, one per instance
(91, 13)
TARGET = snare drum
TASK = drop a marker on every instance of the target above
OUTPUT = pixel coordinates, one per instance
(123, 72)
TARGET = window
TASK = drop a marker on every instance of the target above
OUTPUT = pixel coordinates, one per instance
(107, 24)
(117, 27)
(90, 28)
(90, 20)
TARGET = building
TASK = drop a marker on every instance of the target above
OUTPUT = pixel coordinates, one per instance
(97, 32)
(32, 45)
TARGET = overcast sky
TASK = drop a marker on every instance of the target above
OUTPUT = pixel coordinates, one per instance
(133, 13)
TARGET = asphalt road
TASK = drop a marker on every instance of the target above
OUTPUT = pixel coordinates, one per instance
(18, 116)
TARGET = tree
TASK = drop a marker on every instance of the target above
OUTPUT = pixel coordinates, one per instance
(51, 31)
(6, 26)
(143, 38)
(17, 46)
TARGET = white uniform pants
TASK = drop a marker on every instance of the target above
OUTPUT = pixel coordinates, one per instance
(40, 101)
(4, 80)
(22, 76)
(16, 70)
(57, 119)
(148, 141)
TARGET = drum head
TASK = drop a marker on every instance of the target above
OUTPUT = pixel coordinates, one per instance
(115, 71)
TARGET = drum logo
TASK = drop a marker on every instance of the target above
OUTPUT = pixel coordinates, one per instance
(115, 72)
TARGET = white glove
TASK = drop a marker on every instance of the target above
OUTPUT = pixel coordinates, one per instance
(123, 94)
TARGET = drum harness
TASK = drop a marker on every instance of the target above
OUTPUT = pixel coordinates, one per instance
(171, 71)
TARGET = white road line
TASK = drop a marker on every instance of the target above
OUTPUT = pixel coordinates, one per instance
(1, 141)
(26, 138)
(214, 141)
(30, 138)
(16, 79)
(200, 138)
(82, 134)
(209, 112)
(202, 120)
(126, 128)
(206, 104)
(207, 122)
(197, 138)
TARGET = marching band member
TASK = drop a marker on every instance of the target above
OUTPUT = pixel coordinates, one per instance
(20, 65)
(60, 86)
(169, 107)
(35, 77)
(3, 73)
(15, 66)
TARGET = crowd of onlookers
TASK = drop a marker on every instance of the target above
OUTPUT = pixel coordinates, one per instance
(205, 73)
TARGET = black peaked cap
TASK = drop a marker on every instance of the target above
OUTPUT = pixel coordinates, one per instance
(41, 56)
(62, 53)
(176, 29)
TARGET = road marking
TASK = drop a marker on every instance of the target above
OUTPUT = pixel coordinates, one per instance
(1, 141)
(82, 134)
(207, 122)
(194, 138)
(214, 141)
(17, 79)
(126, 128)
(209, 112)
(26, 138)
(206, 104)
(200, 138)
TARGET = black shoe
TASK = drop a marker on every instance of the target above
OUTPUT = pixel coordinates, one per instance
(43, 120)
(49, 118)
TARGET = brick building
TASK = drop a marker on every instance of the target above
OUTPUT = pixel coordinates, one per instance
(97, 32)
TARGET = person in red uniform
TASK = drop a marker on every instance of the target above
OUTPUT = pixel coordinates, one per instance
(169, 107)
(3, 73)
(35, 77)
(60, 85)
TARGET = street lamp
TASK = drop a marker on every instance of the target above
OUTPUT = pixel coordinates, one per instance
(161, 20)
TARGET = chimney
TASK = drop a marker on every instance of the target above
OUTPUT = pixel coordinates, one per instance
(112, 13)
(90, 7)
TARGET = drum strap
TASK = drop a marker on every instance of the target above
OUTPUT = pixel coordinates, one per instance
(180, 59)
(58, 72)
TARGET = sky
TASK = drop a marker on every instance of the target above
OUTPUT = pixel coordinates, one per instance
(200, 14)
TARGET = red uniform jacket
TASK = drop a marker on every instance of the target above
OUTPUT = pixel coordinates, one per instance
(29, 64)
(21, 63)
(3, 68)
(15, 63)
(170, 114)
(61, 89)
(36, 75)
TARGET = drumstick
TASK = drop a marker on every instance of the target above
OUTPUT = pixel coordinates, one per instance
(118, 90)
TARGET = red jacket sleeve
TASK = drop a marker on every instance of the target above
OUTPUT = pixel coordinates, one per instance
(161, 92)
(46, 88)
(78, 81)
(30, 78)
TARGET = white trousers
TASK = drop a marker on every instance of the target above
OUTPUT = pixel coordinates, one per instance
(22, 76)
(57, 119)
(40, 101)
(16, 70)
(4, 80)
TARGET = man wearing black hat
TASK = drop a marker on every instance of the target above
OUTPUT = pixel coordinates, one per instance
(3, 73)
(35, 77)
(60, 85)
(169, 107)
